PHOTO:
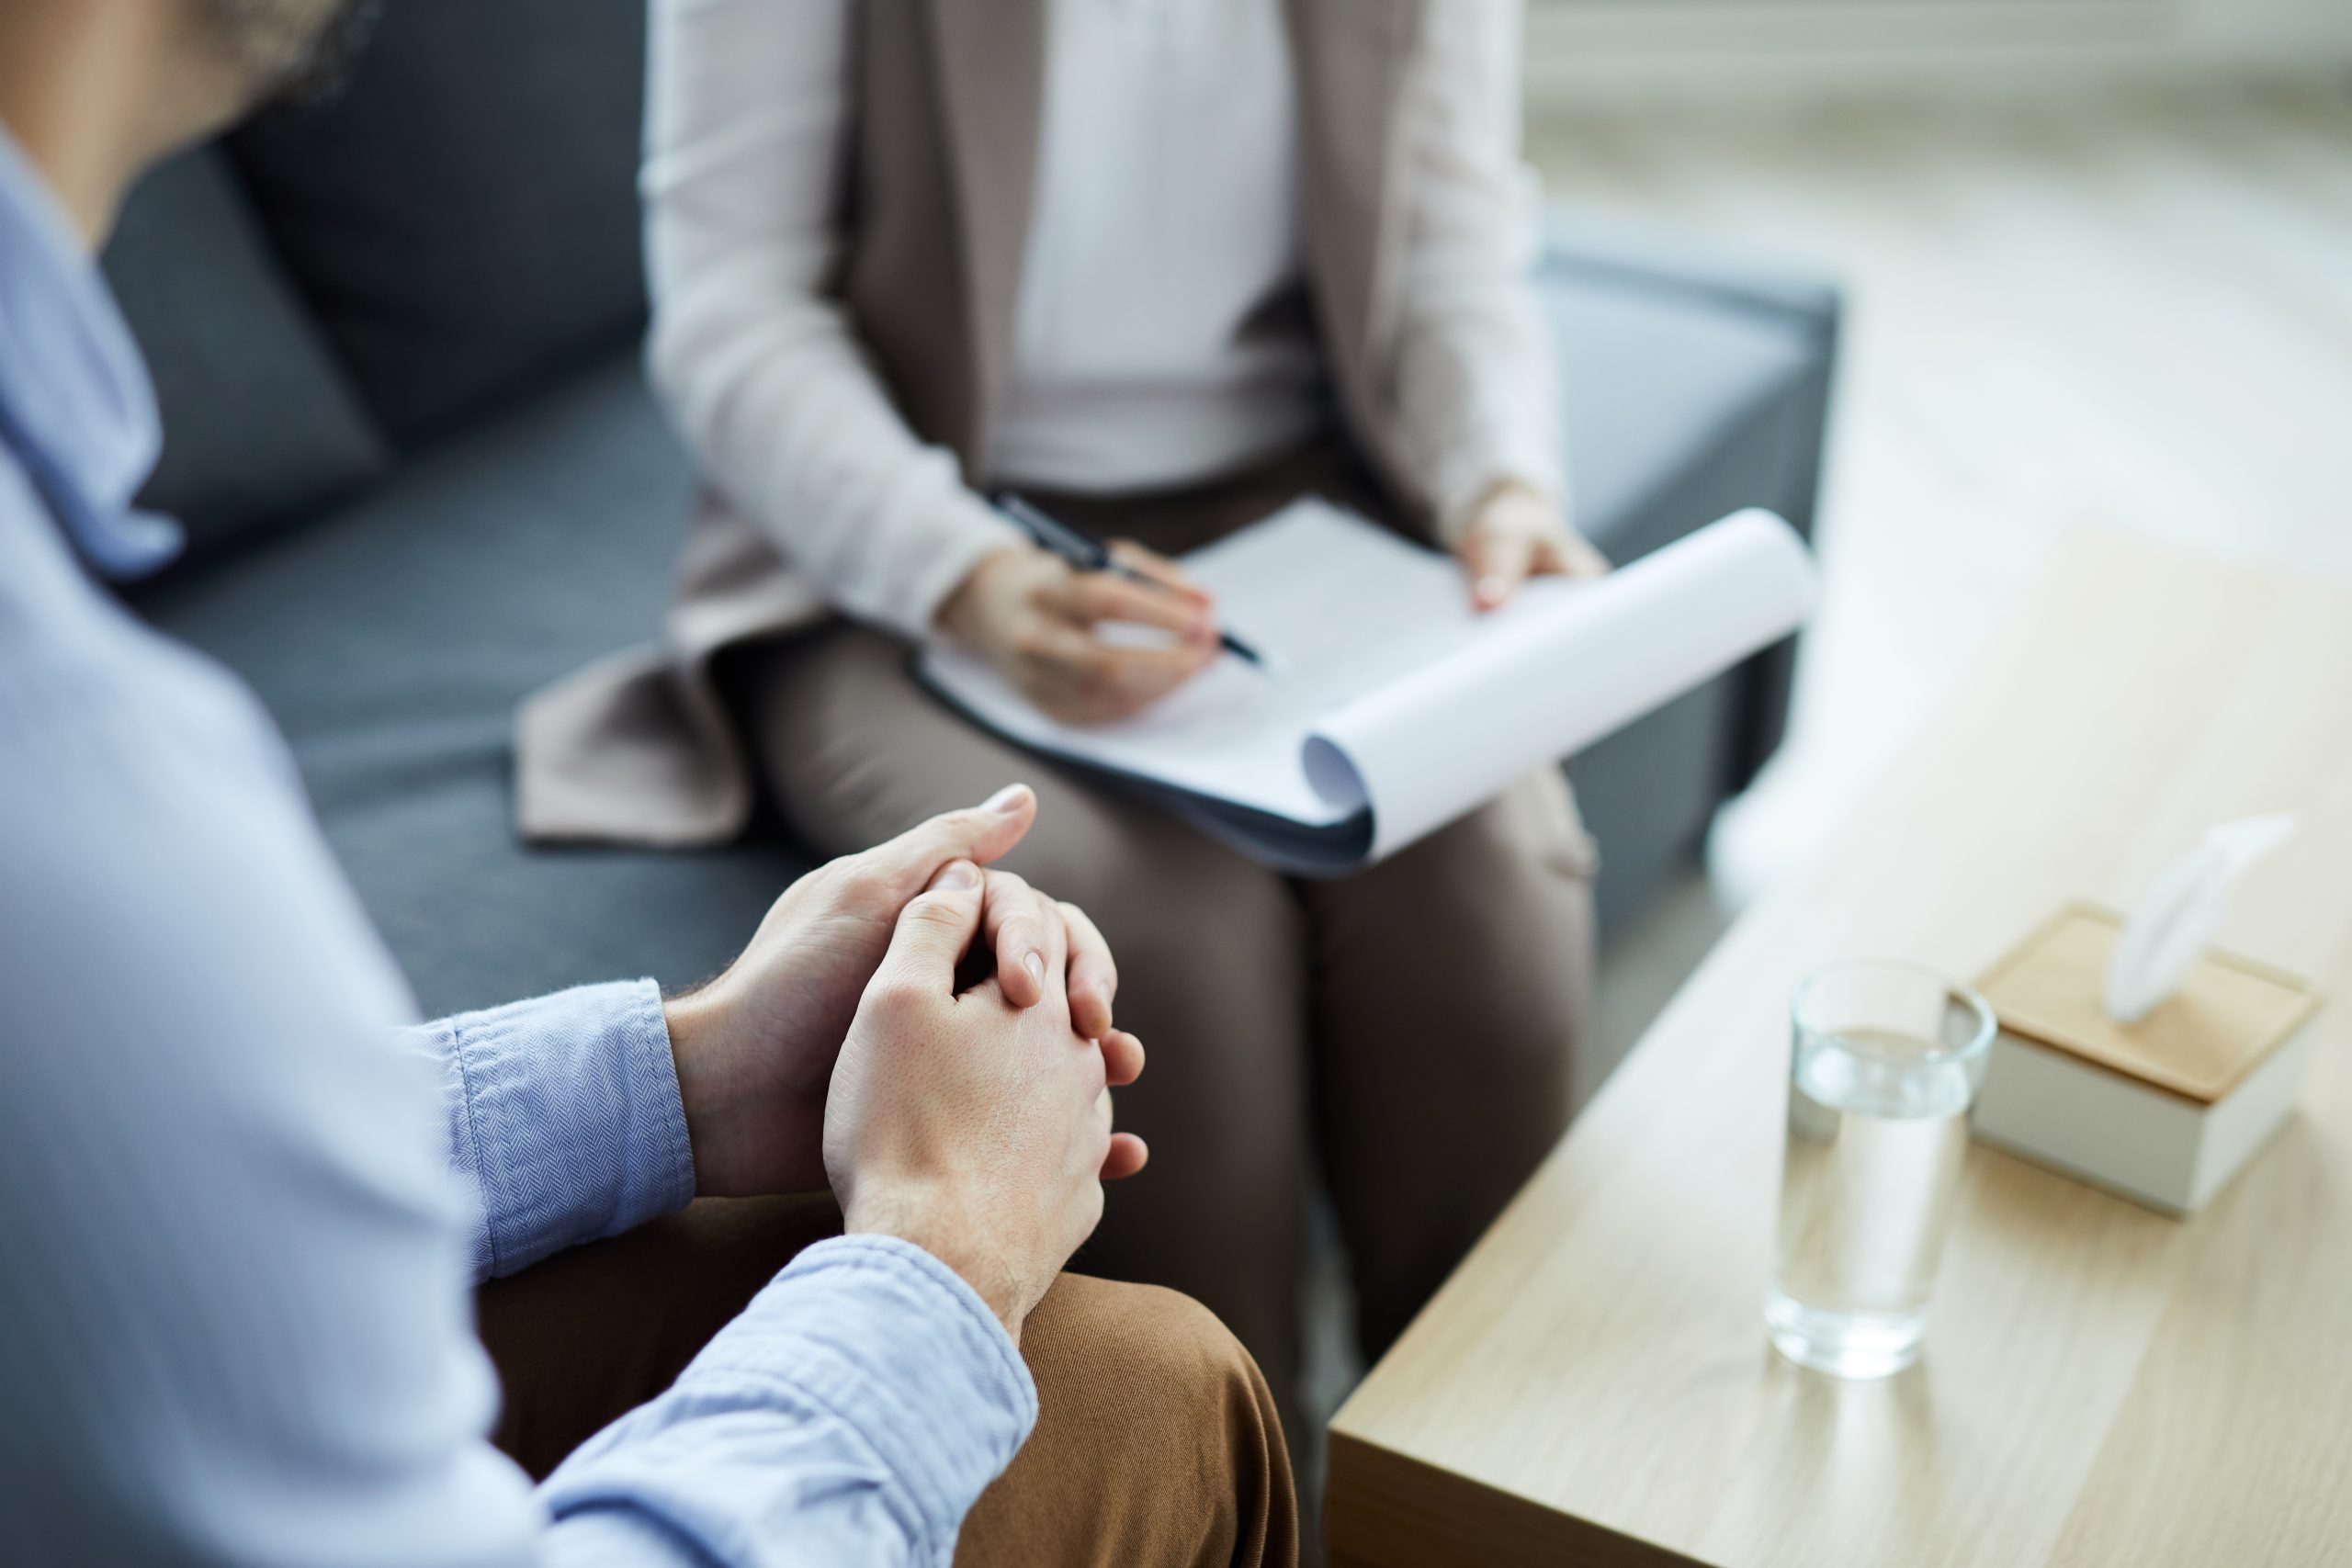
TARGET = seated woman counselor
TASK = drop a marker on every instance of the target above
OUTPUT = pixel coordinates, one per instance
(1162, 266)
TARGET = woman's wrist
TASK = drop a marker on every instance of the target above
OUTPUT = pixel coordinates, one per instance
(1503, 495)
(1514, 532)
(964, 616)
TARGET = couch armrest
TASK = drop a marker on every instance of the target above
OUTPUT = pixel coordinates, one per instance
(1586, 245)
(1749, 431)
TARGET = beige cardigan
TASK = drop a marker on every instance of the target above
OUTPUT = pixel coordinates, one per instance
(638, 749)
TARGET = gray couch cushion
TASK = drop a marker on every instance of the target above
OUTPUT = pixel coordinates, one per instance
(259, 419)
(464, 215)
(392, 639)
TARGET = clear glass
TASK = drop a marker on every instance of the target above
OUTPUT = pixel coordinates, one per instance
(1886, 1061)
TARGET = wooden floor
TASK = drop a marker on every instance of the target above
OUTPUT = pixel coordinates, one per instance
(2130, 309)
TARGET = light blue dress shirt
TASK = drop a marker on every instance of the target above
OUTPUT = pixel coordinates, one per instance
(244, 1198)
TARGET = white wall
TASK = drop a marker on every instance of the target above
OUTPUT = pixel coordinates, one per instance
(1605, 49)
(2270, 29)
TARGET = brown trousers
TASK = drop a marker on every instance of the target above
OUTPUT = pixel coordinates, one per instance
(1156, 1444)
(1411, 1023)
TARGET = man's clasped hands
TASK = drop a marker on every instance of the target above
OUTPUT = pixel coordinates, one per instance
(930, 1038)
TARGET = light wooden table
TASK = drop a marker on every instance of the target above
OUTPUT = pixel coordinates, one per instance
(2101, 1385)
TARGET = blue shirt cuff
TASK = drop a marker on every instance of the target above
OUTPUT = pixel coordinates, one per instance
(867, 1393)
(564, 1111)
(919, 1364)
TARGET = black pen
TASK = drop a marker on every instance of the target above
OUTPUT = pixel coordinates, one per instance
(1089, 554)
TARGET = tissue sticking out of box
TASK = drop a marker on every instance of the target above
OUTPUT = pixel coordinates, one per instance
(2167, 932)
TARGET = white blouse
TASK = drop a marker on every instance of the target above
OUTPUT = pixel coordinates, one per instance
(1151, 345)
(1160, 336)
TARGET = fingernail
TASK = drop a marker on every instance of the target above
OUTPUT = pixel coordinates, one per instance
(1036, 967)
(1491, 590)
(1006, 801)
(959, 877)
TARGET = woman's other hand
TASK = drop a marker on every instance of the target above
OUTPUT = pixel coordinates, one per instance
(1516, 533)
(1035, 619)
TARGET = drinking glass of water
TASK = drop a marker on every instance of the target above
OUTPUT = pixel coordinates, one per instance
(1886, 1062)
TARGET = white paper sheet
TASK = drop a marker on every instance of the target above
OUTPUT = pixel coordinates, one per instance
(1389, 692)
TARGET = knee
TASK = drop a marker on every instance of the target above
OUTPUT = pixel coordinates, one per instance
(1156, 1441)
(1115, 1361)
(1151, 1349)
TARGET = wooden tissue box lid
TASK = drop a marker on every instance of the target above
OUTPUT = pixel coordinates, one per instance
(2228, 1015)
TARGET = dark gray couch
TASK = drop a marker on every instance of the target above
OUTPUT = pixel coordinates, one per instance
(396, 339)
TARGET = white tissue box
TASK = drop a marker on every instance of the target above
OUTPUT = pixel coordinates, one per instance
(2162, 1112)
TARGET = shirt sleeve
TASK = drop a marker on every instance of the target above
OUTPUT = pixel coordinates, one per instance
(238, 1322)
(749, 105)
(564, 1117)
(239, 1327)
(1477, 385)
(851, 1415)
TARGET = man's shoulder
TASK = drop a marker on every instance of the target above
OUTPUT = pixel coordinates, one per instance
(75, 665)
(153, 834)
(38, 580)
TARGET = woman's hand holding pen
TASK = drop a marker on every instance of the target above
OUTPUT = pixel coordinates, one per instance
(1515, 533)
(1032, 616)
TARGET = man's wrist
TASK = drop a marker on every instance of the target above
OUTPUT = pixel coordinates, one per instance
(935, 1224)
(691, 1021)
